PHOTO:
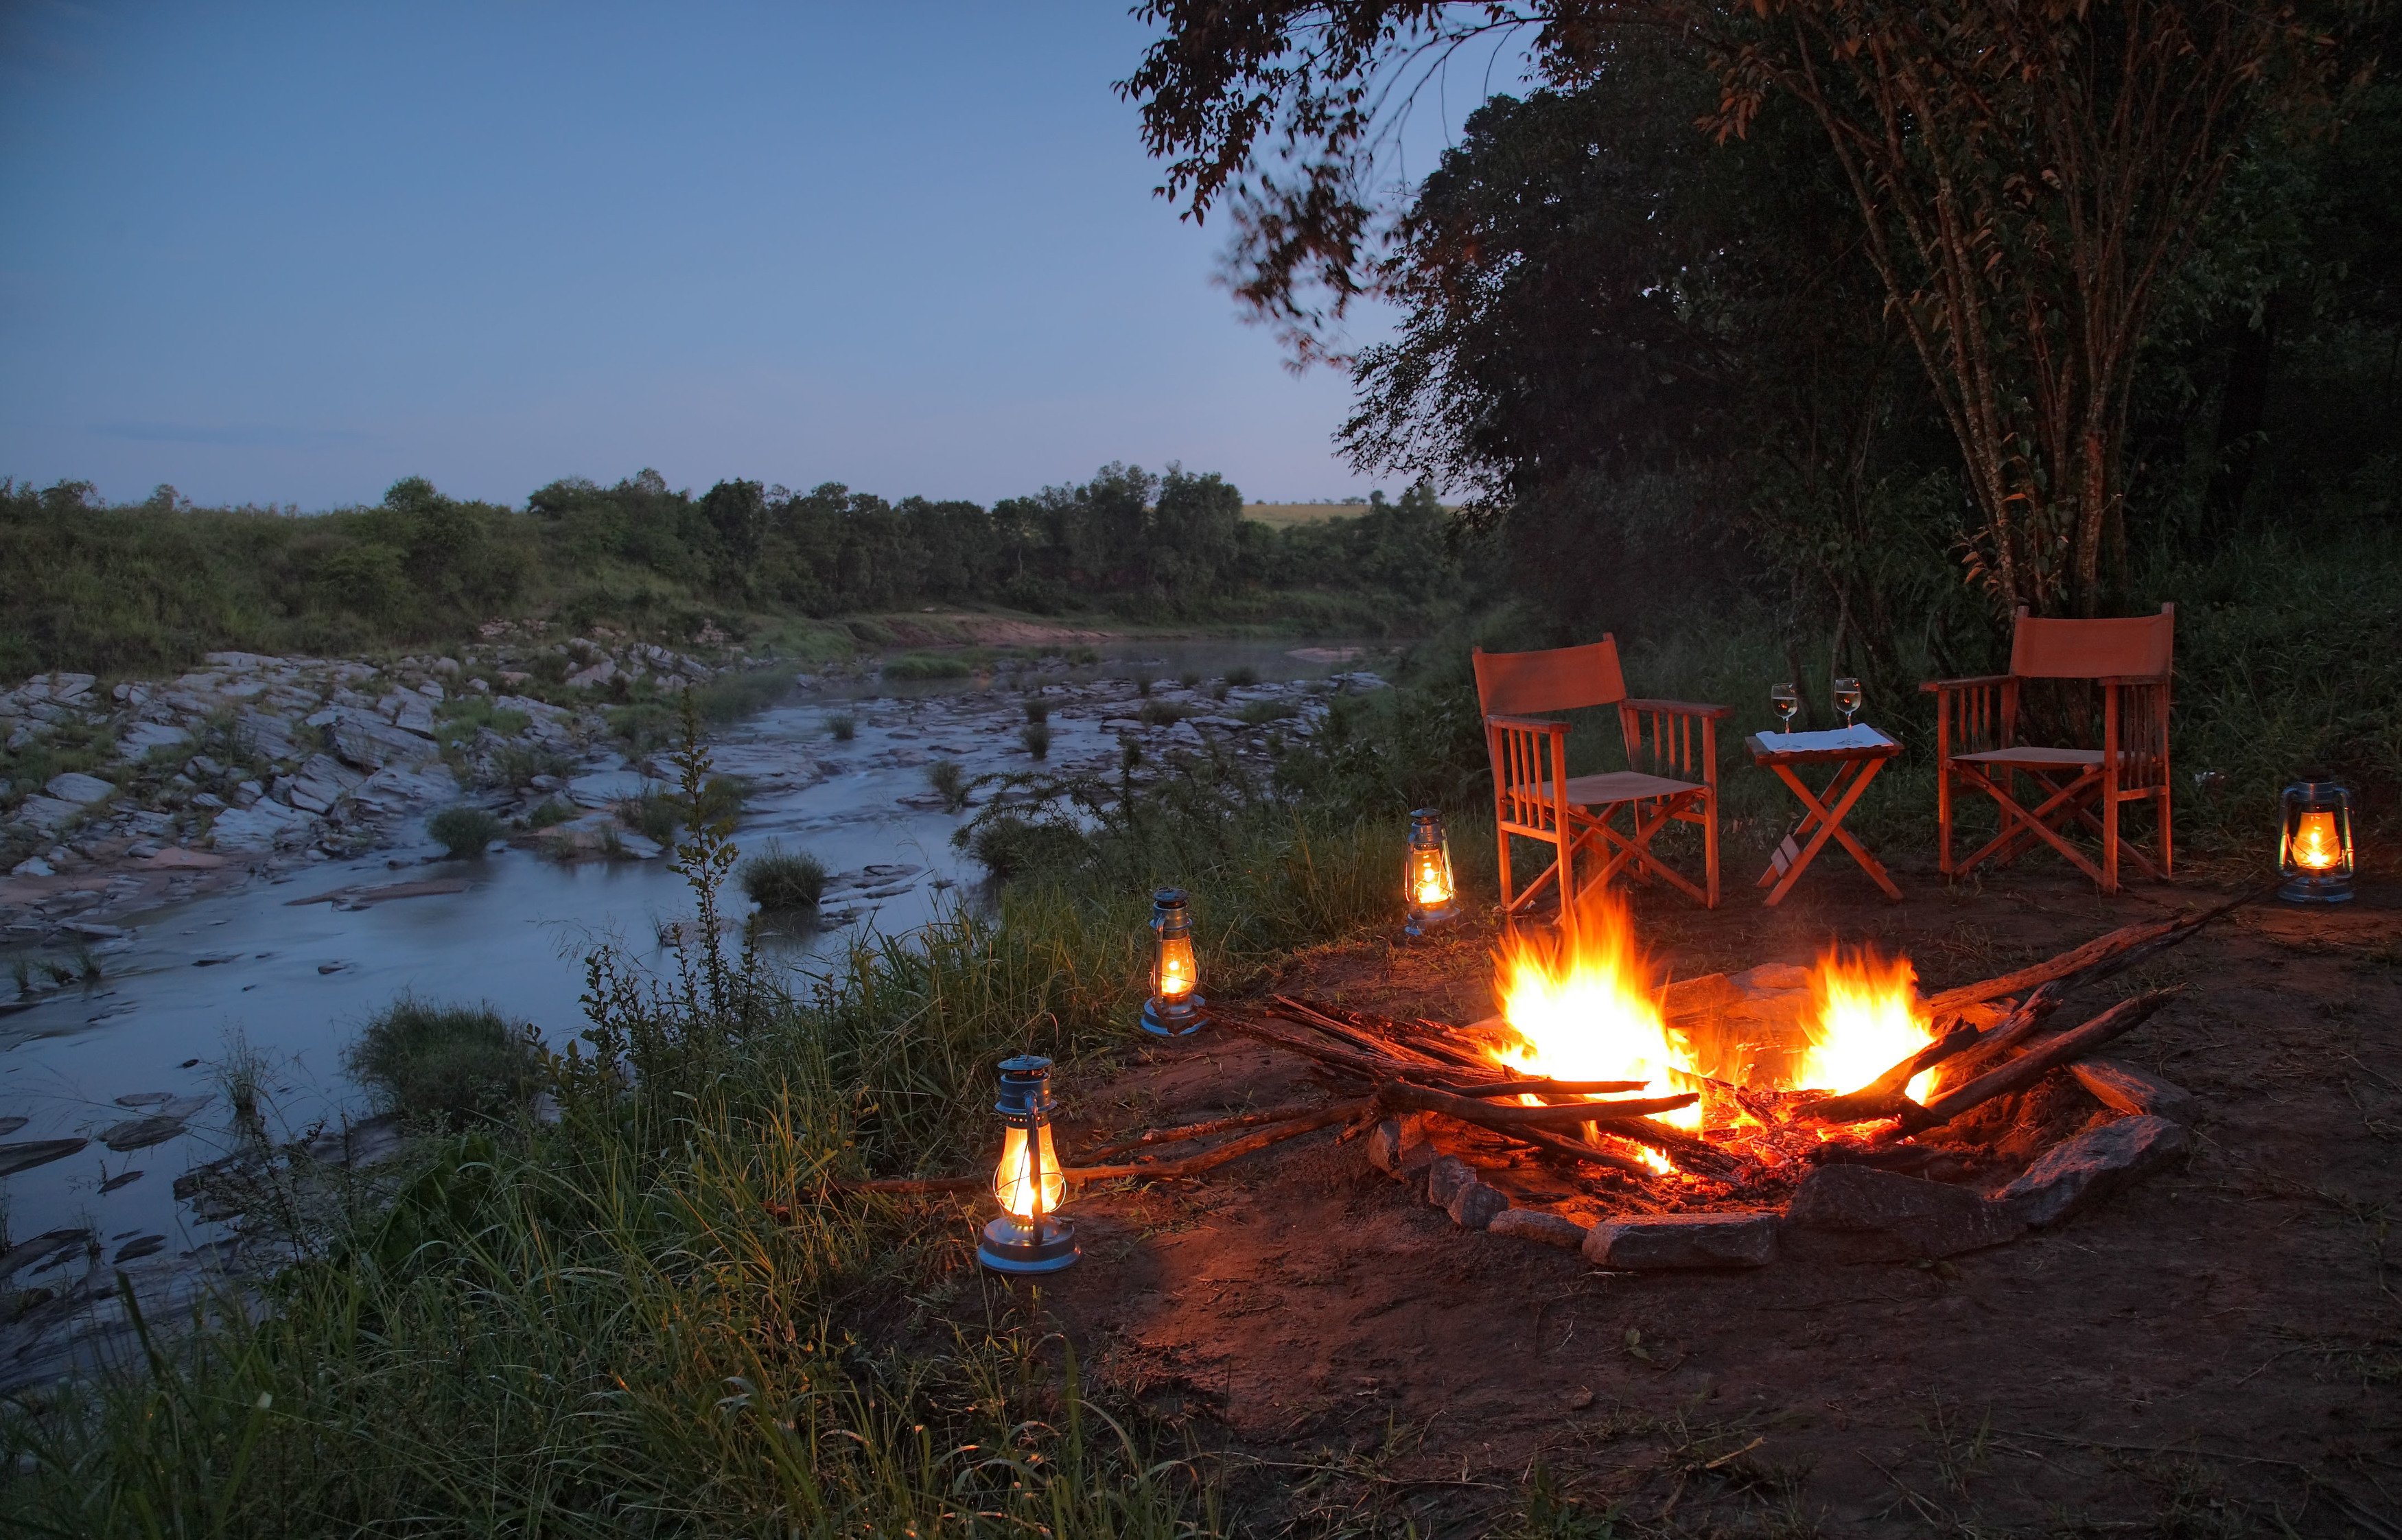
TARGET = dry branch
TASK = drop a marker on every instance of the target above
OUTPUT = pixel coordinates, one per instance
(1195, 1130)
(1186, 1165)
(2032, 1066)
(2097, 959)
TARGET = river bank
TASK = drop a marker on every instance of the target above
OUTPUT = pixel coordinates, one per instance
(166, 985)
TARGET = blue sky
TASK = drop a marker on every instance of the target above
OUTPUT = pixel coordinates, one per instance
(288, 253)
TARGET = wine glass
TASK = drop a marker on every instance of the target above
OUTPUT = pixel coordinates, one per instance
(1847, 699)
(1786, 701)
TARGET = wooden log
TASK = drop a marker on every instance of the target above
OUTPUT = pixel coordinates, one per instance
(1577, 1149)
(1542, 1087)
(1367, 1042)
(1372, 1067)
(1889, 1093)
(1403, 1097)
(1187, 1165)
(2097, 959)
(2032, 1066)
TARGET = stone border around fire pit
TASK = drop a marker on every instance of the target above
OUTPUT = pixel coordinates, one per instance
(1839, 1213)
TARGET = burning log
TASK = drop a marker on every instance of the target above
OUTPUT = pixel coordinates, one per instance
(1888, 1094)
(2032, 1066)
(1418, 1098)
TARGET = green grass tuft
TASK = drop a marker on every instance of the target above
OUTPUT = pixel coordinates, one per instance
(778, 879)
(463, 830)
(450, 1064)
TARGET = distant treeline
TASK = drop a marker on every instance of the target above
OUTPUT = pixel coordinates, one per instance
(151, 586)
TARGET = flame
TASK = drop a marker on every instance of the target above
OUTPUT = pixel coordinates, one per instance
(1176, 968)
(1583, 1010)
(1868, 1020)
(2315, 846)
(1013, 1180)
(1429, 883)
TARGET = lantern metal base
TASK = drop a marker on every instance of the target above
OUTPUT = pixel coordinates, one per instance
(1013, 1246)
(1164, 1021)
(2316, 891)
(1422, 921)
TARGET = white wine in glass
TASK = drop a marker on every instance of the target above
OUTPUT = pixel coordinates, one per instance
(1847, 698)
(1787, 702)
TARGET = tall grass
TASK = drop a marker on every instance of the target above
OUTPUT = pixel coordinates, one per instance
(653, 1316)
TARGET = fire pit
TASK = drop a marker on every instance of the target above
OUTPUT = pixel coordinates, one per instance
(1725, 1121)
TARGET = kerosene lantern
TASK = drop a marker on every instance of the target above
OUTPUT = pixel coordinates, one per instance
(2314, 843)
(1028, 1236)
(1176, 1007)
(1427, 885)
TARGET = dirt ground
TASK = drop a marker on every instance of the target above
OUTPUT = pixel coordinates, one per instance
(2215, 1351)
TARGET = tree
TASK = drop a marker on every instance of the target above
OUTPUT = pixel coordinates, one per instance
(2026, 176)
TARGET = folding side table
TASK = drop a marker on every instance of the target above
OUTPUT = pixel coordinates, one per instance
(1857, 753)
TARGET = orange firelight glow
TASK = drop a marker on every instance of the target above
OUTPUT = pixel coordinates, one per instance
(1430, 879)
(1174, 976)
(1866, 1020)
(2315, 846)
(1013, 1180)
(1582, 1009)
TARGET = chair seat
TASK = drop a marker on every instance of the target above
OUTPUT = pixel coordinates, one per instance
(1615, 786)
(2027, 754)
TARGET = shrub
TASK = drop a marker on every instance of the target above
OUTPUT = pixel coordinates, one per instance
(843, 725)
(1188, 679)
(1038, 711)
(780, 879)
(741, 692)
(1242, 676)
(947, 777)
(1143, 680)
(451, 1063)
(1260, 712)
(1218, 690)
(665, 817)
(518, 763)
(1161, 713)
(1012, 846)
(463, 830)
(551, 814)
(1035, 736)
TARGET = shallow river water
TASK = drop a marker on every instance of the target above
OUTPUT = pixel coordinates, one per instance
(294, 980)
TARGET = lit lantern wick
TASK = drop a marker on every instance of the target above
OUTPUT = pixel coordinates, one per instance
(2315, 846)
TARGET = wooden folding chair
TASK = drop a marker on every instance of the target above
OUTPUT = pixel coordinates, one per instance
(1534, 796)
(1977, 724)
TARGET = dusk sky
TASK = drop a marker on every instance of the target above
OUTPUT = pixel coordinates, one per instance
(287, 254)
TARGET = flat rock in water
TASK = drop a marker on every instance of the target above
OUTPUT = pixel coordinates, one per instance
(1858, 1214)
(146, 1098)
(1676, 1241)
(41, 1248)
(123, 1178)
(139, 1247)
(2091, 1166)
(10, 1125)
(175, 857)
(29, 1153)
(1540, 1226)
(607, 788)
(141, 1133)
(2123, 1088)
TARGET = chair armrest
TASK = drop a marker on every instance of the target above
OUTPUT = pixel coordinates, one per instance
(2132, 679)
(1532, 724)
(1679, 707)
(1936, 686)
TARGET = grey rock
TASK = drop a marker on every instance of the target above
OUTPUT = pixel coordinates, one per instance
(143, 737)
(12, 1124)
(78, 788)
(2088, 1168)
(2123, 1088)
(41, 1248)
(1398, 1147)
(1851, 1213)
(1474, 1206)
(608, 787)
(642, 848)
(47, 814)
(1445, 1176)
(141, 1133)
(33, 866)
(1676, 1241)
(28, 1153)
(123, 1178)
(261, 826)
(371, 743)
(1538, 1226)
(263, 733)
(143, 1246)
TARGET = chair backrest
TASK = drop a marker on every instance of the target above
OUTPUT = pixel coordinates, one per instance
(2136, 648)
(1560, 679)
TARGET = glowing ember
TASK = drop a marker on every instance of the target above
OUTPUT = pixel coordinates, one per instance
(2315, 846)
(1582, 1009)
(1867, 1021)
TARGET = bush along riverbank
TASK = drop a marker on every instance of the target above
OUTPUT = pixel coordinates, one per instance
(640, 1310)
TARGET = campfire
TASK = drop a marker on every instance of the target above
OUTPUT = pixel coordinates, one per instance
(1709, 1121)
